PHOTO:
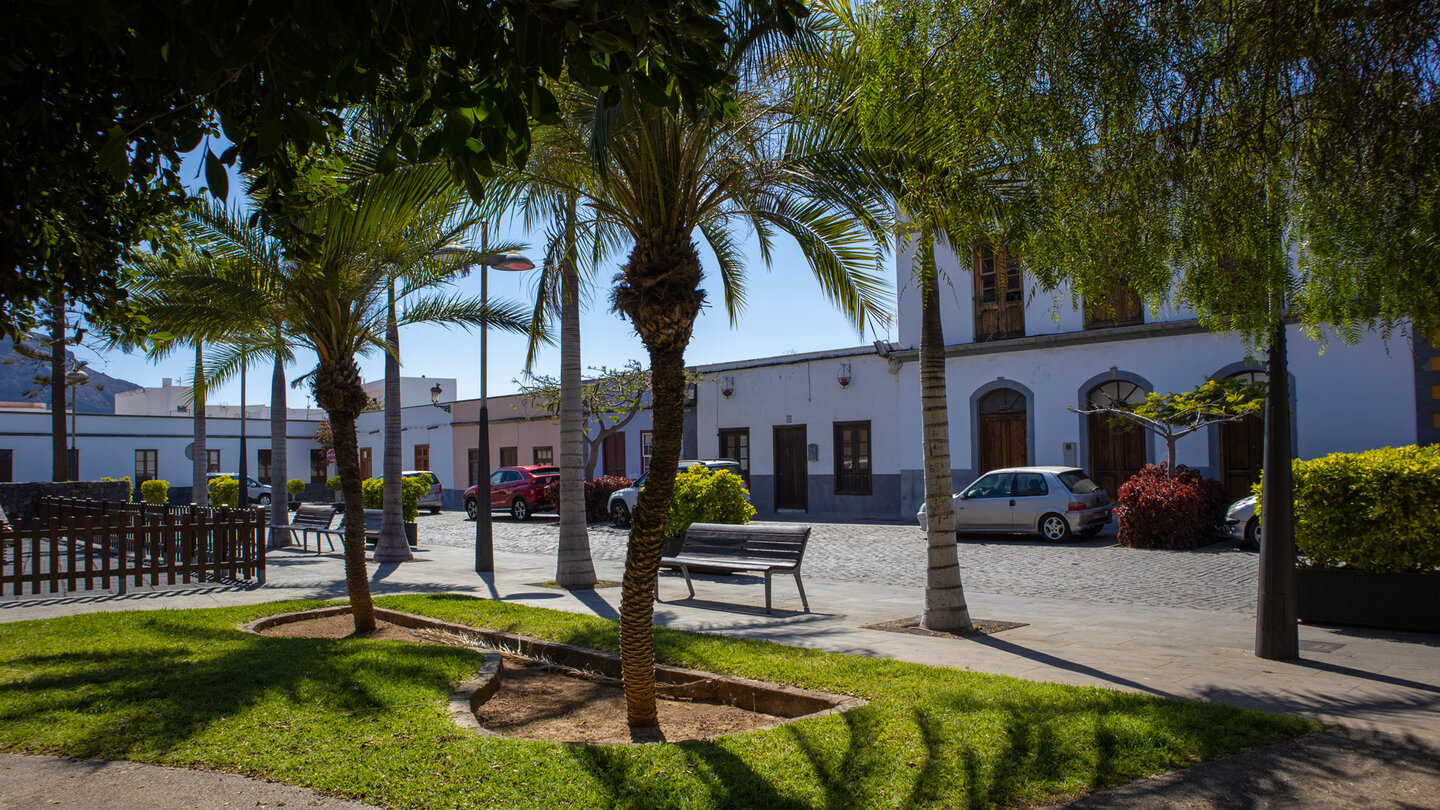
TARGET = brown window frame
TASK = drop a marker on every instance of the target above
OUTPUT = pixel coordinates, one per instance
(858, 450)
(367, 463)
(422, 457)
(151, 460)
(1003, 298)
(213, 463)
(744, 457)
(264, 459)
(546, 459)
(319, 466)
(1122, 307)
(512, 453)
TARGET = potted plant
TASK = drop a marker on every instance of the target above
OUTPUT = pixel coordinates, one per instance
(294, 487)
(411, 490)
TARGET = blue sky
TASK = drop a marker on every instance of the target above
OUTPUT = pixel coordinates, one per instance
(786, 313)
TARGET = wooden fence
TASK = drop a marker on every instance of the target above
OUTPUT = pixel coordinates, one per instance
(76, 544)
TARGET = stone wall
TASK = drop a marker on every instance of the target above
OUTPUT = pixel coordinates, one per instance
(19, 499)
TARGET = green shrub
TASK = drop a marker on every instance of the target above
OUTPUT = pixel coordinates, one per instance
(224, 491)
(1375, 511)
(333, 483)
(411, 490)
(155, 491)
(294, 486)
(703, 495)
(129, 488)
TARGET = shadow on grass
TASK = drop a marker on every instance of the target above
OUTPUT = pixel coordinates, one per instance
(152, 684)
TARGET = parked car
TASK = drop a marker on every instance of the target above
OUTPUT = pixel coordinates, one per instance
(622, 501)
(521, 490)
(1242, 523)
(1050, 501)
(256, 491)
(433, 499)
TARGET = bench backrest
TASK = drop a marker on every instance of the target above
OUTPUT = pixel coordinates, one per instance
(317, 515)
(753, 542)
(373, 519)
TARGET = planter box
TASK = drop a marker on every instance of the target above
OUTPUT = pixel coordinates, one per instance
(1358, 599)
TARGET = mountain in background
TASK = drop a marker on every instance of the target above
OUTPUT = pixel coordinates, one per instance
(17, 378)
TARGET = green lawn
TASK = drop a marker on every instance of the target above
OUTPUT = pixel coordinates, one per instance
(366, 719)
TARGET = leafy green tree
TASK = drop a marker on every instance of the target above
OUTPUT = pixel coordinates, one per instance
(102, 98)
(1172, 417)
(1258, 161)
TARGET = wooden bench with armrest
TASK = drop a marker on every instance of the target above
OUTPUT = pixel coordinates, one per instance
(314, 518)
(765, 548)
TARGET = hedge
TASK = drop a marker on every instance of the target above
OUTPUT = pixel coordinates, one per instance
(1160, 511)
(703, 495)
(155, 491)
(1376, 511)
(372, 493)
(224, 491)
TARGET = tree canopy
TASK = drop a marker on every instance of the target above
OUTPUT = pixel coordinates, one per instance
(102, 98)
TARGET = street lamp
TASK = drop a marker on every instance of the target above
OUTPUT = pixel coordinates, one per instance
(74, 379)
(484, 531)
(435, 392)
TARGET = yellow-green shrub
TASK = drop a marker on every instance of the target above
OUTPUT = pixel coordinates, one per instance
(155, 491)
(294, 486)
(411, 490)
(703, 495)
(224, 491)
(1374, 511)
(129, 487)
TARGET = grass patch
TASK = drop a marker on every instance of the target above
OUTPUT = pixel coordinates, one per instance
(365, 719)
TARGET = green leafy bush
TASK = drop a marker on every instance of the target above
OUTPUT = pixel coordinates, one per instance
(155, 491)
(294, 486)
(1160, 511)
(1375, 511)
(703, 495)
(411, 490)
(129, 488)
(224, 491)
(333, 483)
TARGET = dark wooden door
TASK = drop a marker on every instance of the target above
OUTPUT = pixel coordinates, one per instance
(1002, 440)
(1242, 452)
(614, 452)
(791, 487)
(1116, 453)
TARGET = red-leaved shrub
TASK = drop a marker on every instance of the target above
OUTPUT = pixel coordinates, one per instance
(1157, 511)
(597, 495)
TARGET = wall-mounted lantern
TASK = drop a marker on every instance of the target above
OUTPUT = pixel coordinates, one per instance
(435, 392)
(844, 375)
(727, 386)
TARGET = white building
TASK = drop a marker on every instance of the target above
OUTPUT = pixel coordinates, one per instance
(171, 399)
(838, 434)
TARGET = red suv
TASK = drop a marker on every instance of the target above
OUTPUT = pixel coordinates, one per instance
(518, 489)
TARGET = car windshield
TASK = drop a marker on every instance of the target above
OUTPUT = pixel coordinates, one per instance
(1077, 482)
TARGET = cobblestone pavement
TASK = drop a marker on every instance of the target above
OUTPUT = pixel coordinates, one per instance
(1220, 577)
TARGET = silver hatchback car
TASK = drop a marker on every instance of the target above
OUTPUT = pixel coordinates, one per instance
(1050, 501)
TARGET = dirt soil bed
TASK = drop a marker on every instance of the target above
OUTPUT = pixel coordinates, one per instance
(537, 701)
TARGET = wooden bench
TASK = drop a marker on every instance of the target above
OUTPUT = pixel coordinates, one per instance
(314, 518)
(768, 549)
(373, 519)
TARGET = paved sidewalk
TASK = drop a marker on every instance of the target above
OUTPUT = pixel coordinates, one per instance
(1383, 687)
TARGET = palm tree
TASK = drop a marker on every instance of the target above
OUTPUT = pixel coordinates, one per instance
(332, 298)
(663, 176)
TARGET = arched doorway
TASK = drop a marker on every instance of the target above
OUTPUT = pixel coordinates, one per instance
(1002, 430)
(1116, 451)
(1242, 447)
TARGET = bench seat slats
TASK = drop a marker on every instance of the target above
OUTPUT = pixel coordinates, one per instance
(767, 549)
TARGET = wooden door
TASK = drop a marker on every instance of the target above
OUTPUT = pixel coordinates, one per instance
(1002, 430)
(614, 454)
(1242, 452)
(1116, 453)
(791, 486)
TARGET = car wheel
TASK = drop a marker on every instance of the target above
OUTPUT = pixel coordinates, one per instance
(264, 500)
(619, 514)
(434, 510)
(520, 509)
(1252, 532)
(472, 508)
(1054, 527)
(1090, 531)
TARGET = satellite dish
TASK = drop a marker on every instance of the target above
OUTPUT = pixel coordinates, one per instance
(190, 451)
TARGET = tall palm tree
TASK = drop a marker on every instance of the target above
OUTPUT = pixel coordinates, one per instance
(332, 298)
(666, 177)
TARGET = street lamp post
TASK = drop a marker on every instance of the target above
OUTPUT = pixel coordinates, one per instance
(74, 379)
(484, 530)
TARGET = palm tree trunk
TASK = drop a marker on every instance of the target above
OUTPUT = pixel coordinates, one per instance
(338, 391)
(279, 424)
(660, 293)
(199, 480)
(573, 567)
(60, 460)
(945, 607)
(391, 547)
